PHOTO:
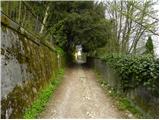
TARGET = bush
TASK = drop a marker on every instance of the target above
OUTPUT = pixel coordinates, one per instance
(136, 71)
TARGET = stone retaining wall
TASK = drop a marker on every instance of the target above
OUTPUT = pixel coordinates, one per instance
(27, 65)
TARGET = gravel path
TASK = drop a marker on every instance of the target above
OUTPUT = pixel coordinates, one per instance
(80, 96)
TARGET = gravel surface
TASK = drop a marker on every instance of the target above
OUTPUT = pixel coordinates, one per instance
(80, 96)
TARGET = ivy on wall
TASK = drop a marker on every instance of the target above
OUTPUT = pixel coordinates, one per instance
(136, 71)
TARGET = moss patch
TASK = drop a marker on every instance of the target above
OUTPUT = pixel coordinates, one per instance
(43, 97)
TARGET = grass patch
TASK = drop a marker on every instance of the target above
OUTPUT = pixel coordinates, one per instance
(120, 100)
(43, 97)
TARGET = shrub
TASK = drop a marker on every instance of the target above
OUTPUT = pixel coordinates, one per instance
(135, 71)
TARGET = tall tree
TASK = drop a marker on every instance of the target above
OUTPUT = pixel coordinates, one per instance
(133, 19)
(149, 46)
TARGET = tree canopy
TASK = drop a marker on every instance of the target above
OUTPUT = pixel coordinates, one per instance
(79, 23)
(112, 26)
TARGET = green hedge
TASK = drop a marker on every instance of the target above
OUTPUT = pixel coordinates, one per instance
(136, 71)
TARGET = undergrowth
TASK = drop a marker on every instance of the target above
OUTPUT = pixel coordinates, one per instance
(122, 103)
(43, 97)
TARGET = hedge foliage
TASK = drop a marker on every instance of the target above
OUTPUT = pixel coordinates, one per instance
(136, 71)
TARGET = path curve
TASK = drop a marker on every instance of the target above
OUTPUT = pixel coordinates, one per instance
(80, 96)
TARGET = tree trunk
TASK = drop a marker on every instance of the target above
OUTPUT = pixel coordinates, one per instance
(44, 20)
(19, 15)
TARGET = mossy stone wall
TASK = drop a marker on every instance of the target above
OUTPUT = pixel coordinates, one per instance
(27, 67)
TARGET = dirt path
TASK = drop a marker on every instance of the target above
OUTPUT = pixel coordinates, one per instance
(80, 96)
